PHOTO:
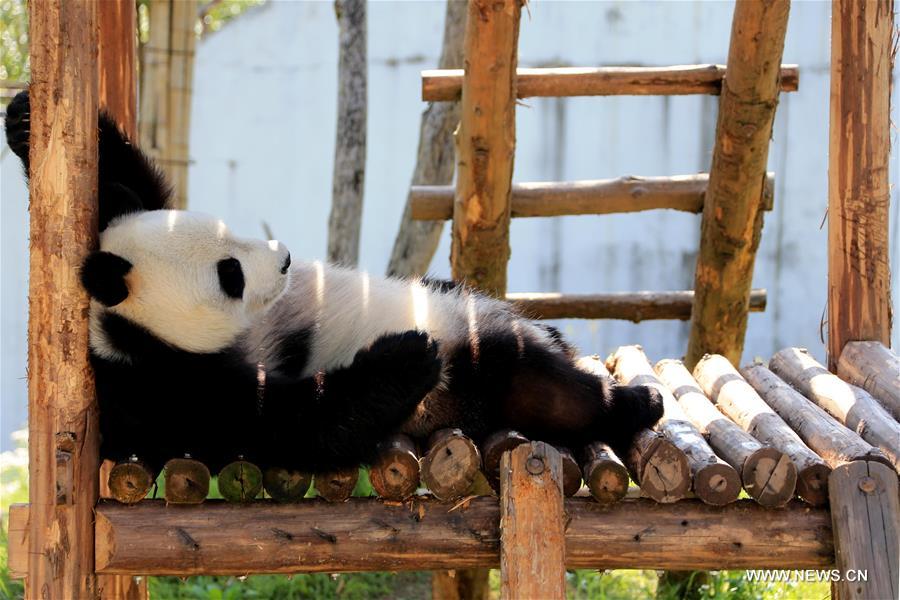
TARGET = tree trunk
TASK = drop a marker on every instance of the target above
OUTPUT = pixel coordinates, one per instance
(417, 241)
(348, 182)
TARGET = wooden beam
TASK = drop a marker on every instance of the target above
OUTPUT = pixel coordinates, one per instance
(873, 367)
(732, 219)
(485, 146)
(859, 278)
(63, 442)
(532, 523)
(592, 197)
(628, 306)
(118, 63)
(865, 514)
(446, 84)
(365, 534)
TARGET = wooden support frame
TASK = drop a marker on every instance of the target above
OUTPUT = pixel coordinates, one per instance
(595, 197)
(63, 441)
(859, 278)
(732, 219)
(446, 84)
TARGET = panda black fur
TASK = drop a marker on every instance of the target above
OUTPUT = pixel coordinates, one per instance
(217, 346)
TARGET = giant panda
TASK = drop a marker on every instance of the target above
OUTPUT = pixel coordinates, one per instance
(208, 344)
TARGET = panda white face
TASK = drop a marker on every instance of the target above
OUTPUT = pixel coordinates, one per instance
(189, 281)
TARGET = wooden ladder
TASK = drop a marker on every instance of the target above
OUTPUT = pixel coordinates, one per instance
(731, 197)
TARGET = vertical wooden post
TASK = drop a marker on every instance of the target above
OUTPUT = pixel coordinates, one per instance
(859, 284)
(865, 516)
(485, 145)
(532, 528)
(117, 66)
(62, 415)
(732, 210)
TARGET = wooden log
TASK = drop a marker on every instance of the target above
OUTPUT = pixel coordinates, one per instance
(593, 197)
(712, 480)
(62, 411)
(395, 473)
(364, 534)
(348, 181)
(532, 523)
(859, 196)
(240, 481)
(826, 437)
(604, 474)
(117, 63)
(628, 306)
(874, 368)
(737, 399)
(757, 464)
(852, 406)
(337, 485)
(446, 84)
(492, 450)
(286, 485)
(732, 215)
(417, 241)
(187, 481)
(865, 517)
(449, 467)
(571, 472)
(130, 481)
(653, 462)
(485, 146)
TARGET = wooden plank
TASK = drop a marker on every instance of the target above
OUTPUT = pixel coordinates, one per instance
(859, 278)
(446, 84)
(852, 406)
(822, 433)
(732, 219)
(627, 306)
(588, 197)
(737, 399)
(532, 523)
(62, 411)
(865, 514)
(367, 534)
(485, 146)
(871, 366)
(712, 480)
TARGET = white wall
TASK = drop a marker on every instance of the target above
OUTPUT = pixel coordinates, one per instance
(262, 147)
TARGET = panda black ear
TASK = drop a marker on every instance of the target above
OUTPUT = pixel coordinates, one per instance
(103, 276)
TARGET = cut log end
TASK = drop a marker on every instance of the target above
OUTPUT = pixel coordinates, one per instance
(337, 485)
(665, 476)
(717, 484)
(492, 450)
(240, 481)
(571, 473)
(395, 473)
(604, 474)
(187, 481)
(451, 464)
(285, 485)
(812, 484)
(129, 482)
(769, 477)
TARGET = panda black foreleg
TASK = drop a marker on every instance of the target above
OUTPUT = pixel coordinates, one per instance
(336, 419)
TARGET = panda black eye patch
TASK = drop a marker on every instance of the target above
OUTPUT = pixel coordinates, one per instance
(231, 277)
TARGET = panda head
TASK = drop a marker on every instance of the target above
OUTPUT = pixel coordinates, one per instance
(183, 277)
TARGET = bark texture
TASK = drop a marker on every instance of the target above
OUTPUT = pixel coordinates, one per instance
(876, 369)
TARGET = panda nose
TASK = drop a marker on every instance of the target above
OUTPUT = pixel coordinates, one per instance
(286, 265)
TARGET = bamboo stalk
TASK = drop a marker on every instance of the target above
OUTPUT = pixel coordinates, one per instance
(712, 480)
(732, 215)
(446, 84)
(871, 366)
(756, 463)
(593, 197)
(737, 399)
(852, 406)
(829, 439)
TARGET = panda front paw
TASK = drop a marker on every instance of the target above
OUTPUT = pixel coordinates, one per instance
(18, 125)
(406, 363)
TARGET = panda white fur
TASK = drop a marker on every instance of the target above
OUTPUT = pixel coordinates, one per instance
(217, 346)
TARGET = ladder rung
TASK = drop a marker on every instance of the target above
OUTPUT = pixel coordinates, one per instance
(627, 306)
(446, 84)
(593, 197)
